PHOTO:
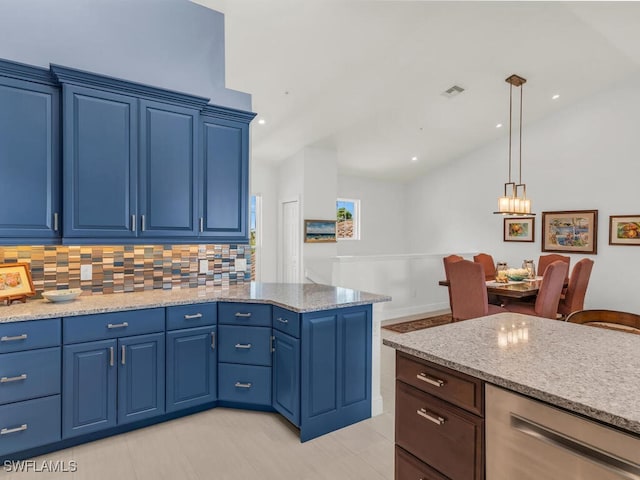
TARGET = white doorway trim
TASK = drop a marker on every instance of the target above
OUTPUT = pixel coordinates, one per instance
(290, 244)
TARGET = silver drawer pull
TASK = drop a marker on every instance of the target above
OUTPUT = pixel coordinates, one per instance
(432, 417)
(243, 385)
(436, 382)
(213, 340)
(111, 359)
(6, 431)
(13, 379)
(243, 315)
(283, 320)
(192, 317)
(123, 358)
(13, 339)
(118, 325)
(243, 345)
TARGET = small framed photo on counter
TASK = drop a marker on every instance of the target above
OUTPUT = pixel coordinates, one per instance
(624, 230)
(15, 282)
(320, 231)
(519, 229)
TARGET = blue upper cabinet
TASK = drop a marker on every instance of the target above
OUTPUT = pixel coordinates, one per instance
(225, 174)
(29, 155)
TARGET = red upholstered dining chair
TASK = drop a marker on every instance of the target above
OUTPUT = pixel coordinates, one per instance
(545, 260)
(488, 264)
(447, 261)
(548, 295)
(469, 291)
(576, 290)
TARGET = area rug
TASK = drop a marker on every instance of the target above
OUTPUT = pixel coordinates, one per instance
(419, 324)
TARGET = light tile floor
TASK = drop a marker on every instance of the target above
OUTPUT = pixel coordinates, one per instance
(227, 444)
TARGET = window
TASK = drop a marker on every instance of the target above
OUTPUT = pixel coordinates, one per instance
(255, 221)
(348, 216)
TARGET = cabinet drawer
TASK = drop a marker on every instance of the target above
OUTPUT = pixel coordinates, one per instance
(409, 467)
(190, 316)
(244, 384)
(444, 436)
(30, 374)
(256, 314)
(286, 321)
(29, 424)
(103, 326)
(454, 387)
(29, 335)
(246, 345)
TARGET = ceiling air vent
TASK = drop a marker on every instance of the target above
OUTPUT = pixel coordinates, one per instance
(452, 92)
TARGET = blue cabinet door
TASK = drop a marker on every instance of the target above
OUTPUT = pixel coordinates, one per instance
(285, 376)
(336, 369)
(100, 162)
(225, 179)
(140, 377)
(168, 153)
(191, 367)
(29, 161)
(89, 387)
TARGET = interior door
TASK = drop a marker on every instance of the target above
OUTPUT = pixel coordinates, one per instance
(290, 261)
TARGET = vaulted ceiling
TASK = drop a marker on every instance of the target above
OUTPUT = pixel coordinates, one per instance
(367, 77)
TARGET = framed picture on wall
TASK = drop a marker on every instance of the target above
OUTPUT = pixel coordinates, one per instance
(570, 231)
(15, 282)
(319, 231)
(624, 230)
(519, 229)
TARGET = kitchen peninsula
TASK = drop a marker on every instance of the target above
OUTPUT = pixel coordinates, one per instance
(104, 364)
(515, 396)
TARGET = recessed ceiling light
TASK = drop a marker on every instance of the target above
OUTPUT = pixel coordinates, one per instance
(414, 159)
(499, 125)
(555, 97)
(262, 121)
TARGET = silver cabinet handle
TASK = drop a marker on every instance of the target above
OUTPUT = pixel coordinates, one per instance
(117, 325)
(213, 340)
(5, 431)
(56, 226)
(436, 382)
(243, 385)
(271, 343)
(143, 227)
(14, 339)
(620, 466)
(201, 224)
(243, 315)
(192, 317)
(123, 359)
(243, 345)
(432, 417)
(13, 379)
(133, 223)
(283, 320)
(111, 359)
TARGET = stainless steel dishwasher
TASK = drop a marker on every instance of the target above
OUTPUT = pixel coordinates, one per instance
(529, 440)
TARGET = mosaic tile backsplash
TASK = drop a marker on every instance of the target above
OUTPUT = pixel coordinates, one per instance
(130, 268)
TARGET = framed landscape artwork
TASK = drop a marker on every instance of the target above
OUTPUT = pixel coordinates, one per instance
(519, 229)
(570, 231)
(624, 230)
(15, 282)
(319, 231)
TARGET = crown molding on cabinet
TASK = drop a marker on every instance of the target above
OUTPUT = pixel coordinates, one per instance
(226, 113)
(29, 73)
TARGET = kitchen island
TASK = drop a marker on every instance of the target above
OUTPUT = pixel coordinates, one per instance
(592, 373)
(104, 364)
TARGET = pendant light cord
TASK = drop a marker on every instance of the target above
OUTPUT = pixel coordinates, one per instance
(520, 141)
(510, 126)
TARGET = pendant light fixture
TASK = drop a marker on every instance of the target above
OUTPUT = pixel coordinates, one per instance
(515, 203)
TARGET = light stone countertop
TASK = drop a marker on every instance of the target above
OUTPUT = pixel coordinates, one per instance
(591, 371)
(297, 297)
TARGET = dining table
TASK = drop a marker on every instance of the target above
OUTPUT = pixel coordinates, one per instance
(512, 289)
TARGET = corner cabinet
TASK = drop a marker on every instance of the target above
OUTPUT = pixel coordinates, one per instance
(29, 155)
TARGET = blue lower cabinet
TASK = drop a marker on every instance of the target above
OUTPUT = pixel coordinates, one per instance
(29, 424)
(244, 384)
(191, 367)
(29, 374)
(246, 345)
(285, 382)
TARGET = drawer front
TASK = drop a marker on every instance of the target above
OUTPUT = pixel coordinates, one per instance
(409, 467)
(444, 436)
(286, 321)
(29, 424)
(256, 314)
(454, 387)
(30, 374)
(19, 336)
(244, 384)
(103, 326)
(246, 345)
(190, 316)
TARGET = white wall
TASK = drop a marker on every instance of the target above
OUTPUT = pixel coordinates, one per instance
(172, 44)
(264, 182)
(382, 217)
(583, 157)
